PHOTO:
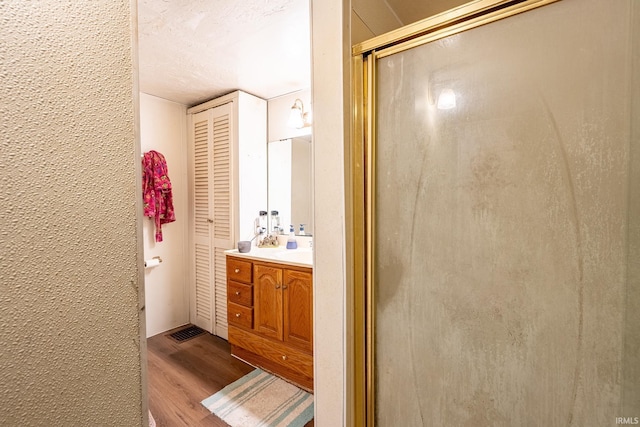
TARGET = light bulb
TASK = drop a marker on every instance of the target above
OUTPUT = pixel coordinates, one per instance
(295, 118)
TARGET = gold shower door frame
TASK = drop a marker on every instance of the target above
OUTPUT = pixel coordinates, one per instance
(361, 200)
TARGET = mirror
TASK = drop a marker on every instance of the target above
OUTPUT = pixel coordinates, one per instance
(289, 183)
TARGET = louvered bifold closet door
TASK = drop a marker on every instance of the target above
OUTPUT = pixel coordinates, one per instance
(202, 293)
(223, 212)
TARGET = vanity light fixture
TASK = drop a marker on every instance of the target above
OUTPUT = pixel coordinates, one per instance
(446, 100)
(297, 117)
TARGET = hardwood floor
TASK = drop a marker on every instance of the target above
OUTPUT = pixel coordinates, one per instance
(181, 375)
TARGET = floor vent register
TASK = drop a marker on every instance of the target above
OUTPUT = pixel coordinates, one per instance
(186, 333)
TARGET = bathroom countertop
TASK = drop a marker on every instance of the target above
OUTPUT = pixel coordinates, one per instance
(301, 257)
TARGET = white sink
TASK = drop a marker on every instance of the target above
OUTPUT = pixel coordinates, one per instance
(295, 255)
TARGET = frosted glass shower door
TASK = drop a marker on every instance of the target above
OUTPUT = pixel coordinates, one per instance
(502, 180)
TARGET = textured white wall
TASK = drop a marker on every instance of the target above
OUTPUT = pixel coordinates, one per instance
(69, 246)
(163, 127)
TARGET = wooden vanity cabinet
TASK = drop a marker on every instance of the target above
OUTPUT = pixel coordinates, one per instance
(270, 315)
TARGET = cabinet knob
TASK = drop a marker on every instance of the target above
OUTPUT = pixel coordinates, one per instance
(284, 286)
(237, 270)
(209, 220)
(238, 293)
(277, 286)
(284, 357)
(237, 314)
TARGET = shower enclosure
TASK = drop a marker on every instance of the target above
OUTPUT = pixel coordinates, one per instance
(497, 153)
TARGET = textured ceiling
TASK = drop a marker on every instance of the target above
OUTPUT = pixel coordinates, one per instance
(194, 50)
(191, 51)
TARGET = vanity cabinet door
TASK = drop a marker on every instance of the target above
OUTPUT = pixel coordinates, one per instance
(297, 290)
(267, 293)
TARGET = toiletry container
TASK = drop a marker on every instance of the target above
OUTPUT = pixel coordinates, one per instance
(291, 242)
(275, 222)
(262, 222)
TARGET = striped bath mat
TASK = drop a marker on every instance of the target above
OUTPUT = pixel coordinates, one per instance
(260, 399)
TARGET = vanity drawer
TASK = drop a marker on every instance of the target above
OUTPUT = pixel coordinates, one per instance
(276, 352)
(240, 293)
(240, 315)
(240, 271)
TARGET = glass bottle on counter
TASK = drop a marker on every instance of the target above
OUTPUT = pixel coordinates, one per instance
(262, 222)
(275, 222)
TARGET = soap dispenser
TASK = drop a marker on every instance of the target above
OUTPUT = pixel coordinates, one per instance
(291, 241)
(302, 233)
